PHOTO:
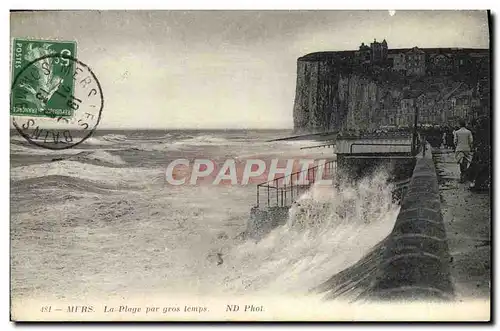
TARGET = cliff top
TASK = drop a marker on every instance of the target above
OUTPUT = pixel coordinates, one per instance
(344, 55)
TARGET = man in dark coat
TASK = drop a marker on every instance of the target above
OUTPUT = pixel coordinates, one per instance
(449, 138)
(480, 168)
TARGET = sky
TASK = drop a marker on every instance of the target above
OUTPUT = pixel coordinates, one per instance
(226, 69)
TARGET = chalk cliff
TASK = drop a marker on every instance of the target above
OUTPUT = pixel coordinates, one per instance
(334, 93)
(329, 96)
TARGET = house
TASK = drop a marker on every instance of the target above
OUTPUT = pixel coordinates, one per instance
(407, 110)
(378, 51)
(463, 63)
(363, 55)
(432, 107)
(463, 106)
(398, 60)
(415, 62)
(386, 117)
(440, 65)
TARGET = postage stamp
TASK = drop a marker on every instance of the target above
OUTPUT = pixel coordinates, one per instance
(56, 100)
(39, 83)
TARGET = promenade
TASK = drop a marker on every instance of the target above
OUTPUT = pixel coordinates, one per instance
(467, 219)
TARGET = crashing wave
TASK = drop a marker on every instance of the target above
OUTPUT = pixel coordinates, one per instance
(325, 206)
(328, 230)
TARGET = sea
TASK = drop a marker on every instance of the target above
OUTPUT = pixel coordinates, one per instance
(100, 220)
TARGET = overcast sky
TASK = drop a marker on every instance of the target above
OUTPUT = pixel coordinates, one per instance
(232, 69)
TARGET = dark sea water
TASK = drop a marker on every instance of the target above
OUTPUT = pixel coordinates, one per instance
(100, 219)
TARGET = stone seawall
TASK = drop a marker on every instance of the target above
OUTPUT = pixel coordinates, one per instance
(412, 263)
(415, 260)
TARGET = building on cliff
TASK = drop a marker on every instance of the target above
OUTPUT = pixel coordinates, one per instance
(463, 105)
(410, 62)
(397, 60)
(440, 65)
(364, 54)
(376, 53)
(415, 62)
(410, 100)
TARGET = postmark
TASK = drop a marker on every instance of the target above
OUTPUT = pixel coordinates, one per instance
(56, 100)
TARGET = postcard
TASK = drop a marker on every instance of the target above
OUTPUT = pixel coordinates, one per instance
(246, 165)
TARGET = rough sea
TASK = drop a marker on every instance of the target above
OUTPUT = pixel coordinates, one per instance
(100, 219)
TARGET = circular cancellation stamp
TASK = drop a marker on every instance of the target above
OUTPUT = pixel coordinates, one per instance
(56, 100)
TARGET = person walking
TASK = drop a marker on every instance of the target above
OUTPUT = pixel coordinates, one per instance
(449, 138)
(480, 166)
(463, 140)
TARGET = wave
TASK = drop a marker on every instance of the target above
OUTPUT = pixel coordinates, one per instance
(204, 140)
(146, 138)
(328, 230)
(142, 142)
(14, 139)
(35, 150)
(94, 141)
(117, 178)
(72, 186)
(151, 147)
(97, 141)
(99, 156)
(106, 140)
(115, 137)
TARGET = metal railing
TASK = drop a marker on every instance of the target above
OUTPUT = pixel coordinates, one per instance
(283, 191)
(378, 144)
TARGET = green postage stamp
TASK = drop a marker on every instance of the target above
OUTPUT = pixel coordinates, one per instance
(42, 83)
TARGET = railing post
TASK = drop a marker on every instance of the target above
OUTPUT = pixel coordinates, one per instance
(268, 197)
(285, 196)
(297, 186)
(258, 200)
(276, 184)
